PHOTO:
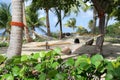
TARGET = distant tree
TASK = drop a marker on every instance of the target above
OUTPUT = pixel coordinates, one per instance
(5, 18)
(46, 5)
(90, 25)
(33, 20)
(71, 23)
(113, 30)
(117, 9)
(81, 30)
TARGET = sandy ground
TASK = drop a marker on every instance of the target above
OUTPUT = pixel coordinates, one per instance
(110, 50)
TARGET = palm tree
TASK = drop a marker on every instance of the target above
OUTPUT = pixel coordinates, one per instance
(5, 18)
(33, 20)
(26, 30)
(15, 45)
(71, 23)
(46, 5)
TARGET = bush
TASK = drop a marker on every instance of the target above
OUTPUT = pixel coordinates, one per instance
(3, 44)
(50, 66)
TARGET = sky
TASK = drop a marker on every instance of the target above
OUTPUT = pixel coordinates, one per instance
(82, 19)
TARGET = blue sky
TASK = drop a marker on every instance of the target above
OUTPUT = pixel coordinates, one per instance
(82, 19)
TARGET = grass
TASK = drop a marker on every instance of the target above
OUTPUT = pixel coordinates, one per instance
(112, 40)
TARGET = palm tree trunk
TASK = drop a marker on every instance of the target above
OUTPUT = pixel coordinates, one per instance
(61, 36)
(94, 20)
(107, 20)
(27, 35)
(47, 22)
(15, 45)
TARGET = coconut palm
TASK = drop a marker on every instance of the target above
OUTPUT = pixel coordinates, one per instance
(5, 18)
(46, 5)
(33, 20)
(71, 23)
(67, 8)
(26, 30)
(15, 45)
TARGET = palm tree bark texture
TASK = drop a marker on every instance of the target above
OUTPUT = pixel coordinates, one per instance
(15, 45)
(47, 22)
(26, 30)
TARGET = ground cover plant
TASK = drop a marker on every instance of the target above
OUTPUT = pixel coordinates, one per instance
(48, 65)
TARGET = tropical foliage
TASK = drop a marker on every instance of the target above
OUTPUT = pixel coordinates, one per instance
(5, 17)
(71, 23)
(50, 65)
(81, 30)
(33, 20)
(113, 30)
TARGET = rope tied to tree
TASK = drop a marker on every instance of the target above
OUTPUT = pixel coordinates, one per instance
(19, 24)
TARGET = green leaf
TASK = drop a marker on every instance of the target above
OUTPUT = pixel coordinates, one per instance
(52, 73)
(109, 76)
(42, 54)
(2, 59)
(7, 77)
(96, 60)
(36, 55)
(55, 65)
(42, 76)
(15, 70)
(38, 67)
(60, 76)
(22, 71)
(15, 60)
(24, 57)
(57, 50)
(82, 59)
(49, 53)
(84, 66)
(70, 62)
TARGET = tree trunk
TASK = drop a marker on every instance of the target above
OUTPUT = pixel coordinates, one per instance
(94, 20)
(15, 45)
(107, 20)
(27, 35)
(100, 39)
(33, 33)
(47, 22)
(101, 15)
(61, 36)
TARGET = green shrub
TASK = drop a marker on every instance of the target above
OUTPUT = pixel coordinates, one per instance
(50, 66)
(3, 44)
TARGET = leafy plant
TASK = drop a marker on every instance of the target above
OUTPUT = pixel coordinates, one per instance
(50, 66)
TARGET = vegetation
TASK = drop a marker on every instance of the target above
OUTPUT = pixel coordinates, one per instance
(113, 30)
(4, 44)
(81, 30)
(50, 66)
(5, 18)
(112, 39)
